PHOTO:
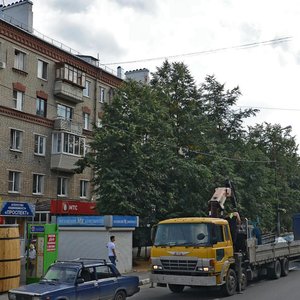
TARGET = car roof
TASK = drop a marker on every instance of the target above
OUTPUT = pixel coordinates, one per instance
(83, 262)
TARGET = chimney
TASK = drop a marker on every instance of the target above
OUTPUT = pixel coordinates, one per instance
(19, 14)
(120, 72)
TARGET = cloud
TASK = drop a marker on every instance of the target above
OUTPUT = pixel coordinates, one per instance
(95, 41)
(69, 6)
(139, 5)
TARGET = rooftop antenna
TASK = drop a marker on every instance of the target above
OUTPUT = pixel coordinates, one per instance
(98, 58)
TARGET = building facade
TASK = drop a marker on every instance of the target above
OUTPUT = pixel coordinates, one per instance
(50, 99)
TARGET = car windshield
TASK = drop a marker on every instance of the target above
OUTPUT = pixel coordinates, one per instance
(61, 274)
(184, 234)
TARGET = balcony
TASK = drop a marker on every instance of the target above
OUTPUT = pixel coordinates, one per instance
(64, 162)
(67, 125)
(68, 91)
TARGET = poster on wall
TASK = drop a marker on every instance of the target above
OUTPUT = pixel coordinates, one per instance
(51, 243)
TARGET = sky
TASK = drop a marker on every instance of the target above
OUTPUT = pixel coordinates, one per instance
(120, 31)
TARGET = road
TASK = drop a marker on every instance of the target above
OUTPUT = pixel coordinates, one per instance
(285, 288)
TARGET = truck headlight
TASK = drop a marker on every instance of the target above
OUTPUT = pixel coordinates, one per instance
(157, 267)
(12, 296)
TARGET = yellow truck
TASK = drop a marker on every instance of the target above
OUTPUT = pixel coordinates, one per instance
(198, 251)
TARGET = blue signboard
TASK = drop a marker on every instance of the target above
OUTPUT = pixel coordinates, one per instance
(125, 221)
(81, 221)
(37, 228)
(17, 209)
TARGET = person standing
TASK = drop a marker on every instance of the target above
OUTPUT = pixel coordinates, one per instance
(112, 250)
(31, 259)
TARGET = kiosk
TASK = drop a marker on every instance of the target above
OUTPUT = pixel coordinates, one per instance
(42, 249)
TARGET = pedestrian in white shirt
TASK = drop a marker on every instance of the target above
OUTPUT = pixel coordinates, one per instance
(112, 250)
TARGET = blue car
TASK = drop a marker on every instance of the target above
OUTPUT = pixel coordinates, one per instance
(79, 279)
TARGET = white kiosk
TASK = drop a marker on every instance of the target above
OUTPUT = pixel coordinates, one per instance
(87, 237)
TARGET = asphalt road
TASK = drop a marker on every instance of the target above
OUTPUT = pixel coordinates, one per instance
(285, 288)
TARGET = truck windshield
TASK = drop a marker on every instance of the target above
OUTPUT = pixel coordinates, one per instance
(183, 234)
(61, 274)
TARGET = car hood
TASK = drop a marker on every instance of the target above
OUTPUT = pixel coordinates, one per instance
(41, 288)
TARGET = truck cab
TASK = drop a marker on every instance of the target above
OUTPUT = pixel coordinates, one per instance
(191, 252)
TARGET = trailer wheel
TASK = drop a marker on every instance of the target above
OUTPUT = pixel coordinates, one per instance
(275, 271)
(176, 288)
(284, 267)
(229, 288)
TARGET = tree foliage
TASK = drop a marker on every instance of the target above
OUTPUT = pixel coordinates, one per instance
(163, 148)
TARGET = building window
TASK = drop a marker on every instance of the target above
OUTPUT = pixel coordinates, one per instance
(14, 181)
(86, 121)
(16, 139)
(64, 112)
(42, 71)
(68, 143)
(41, 107)
(18, 100)
(19, 62)
(83, 188)
(38, 184)
(39, 145)
(102, 95)
(99, 123)
(62, 189)
(87, 89)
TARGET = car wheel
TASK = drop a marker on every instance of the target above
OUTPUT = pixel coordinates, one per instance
(244, 281)
(176, 288)
(120, 295)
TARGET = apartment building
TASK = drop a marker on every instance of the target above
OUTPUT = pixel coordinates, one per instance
(49, 101)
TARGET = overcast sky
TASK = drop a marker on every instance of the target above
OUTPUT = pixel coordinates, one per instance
(132, 30)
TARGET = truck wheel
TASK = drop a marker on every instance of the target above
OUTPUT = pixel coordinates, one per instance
(275, 271)
(229, 288)
(244, 281)
(285, 267)
(120, 295)
(176, 288)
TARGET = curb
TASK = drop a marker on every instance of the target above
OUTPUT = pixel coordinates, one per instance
(144, 281)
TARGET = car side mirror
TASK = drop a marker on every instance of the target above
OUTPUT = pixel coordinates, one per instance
(79, 280)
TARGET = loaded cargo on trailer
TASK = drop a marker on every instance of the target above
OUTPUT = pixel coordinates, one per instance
(209, 252)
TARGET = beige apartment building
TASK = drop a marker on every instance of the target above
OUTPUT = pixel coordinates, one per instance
(49, 101)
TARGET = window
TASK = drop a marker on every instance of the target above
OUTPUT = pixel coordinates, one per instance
(18, 100)
(16, 139)
(64, 112)
(19, 62)
(62, 186)
(68, 143)
(38, 184)
(102, 95)
(87, 88)
(14, 181)
(39, 145)
(104, 272)
(41, 107)
(99, 123)
(86, 121)
(42, 71)
(83, 188)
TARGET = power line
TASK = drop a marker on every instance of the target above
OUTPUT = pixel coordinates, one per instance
(238, 47)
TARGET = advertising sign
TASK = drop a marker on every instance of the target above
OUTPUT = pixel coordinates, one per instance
(125, 221)
(17, 209)
(51, 243)
(80, 221)
(70, 207)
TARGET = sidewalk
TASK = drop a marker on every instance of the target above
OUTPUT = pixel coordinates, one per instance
(141, 269)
